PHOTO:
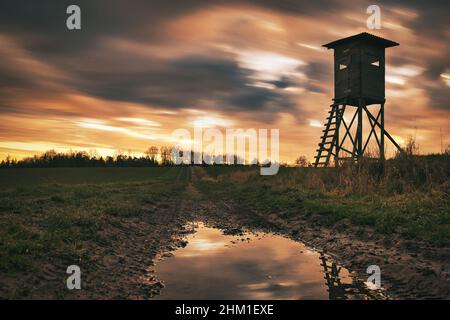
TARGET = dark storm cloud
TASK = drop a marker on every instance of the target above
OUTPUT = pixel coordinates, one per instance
(39, 26)
(283, 83)
(173, 83)
(184, 83)
(431, 25)
(317, 74)
(256, 97)
(440, 97)
(438, 66)
(12, 80)
(432, 21)
(400, 60)
(316, 70)
(438, 93)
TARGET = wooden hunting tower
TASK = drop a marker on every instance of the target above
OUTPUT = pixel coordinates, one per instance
(359, 73)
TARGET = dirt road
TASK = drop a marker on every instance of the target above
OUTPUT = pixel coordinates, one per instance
(117, 262)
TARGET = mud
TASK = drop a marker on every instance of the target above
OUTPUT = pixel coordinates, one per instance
(119, 269)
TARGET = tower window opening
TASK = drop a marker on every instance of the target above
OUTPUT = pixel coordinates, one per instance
(343, 66)
(373, 60)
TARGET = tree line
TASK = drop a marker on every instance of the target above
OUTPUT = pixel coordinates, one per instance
(153, 157)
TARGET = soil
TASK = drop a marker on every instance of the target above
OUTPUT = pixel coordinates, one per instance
(122, 269)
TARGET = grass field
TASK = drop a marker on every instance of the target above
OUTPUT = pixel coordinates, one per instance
(411, 199)
(26, 177)
(54, 217)
(108, 218)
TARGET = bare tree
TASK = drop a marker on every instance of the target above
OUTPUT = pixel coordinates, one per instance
(165, 155)
(302, 161)
(152, 153)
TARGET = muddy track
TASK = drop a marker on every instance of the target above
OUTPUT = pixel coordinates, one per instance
(406, 274)
(409, 269)
(122, 267)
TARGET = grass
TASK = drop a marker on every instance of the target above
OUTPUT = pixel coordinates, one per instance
(410, 198)
(218, 170)
(26, 177)
(56, 221)
(53, 216)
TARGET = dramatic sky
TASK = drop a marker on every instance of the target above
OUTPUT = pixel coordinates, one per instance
(139, 69)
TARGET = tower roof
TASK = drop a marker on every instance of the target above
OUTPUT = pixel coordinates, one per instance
(362, 37)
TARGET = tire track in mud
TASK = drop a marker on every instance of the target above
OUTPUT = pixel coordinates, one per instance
(220, 214)
(409, 270)
(184, 174)
(144, 240)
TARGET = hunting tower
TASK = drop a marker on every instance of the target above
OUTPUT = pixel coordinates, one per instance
(359, 73)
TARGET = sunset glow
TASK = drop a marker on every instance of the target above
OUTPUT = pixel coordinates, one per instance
(227, 65)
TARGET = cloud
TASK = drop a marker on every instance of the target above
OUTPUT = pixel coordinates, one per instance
(252, 61)
(184, 83)
(317, 74)
(141, 19)
(439, 96)
(40, 28)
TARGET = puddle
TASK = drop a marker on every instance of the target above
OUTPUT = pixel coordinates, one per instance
(214, 265)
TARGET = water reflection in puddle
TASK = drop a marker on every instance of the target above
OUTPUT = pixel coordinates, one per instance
(214, 265)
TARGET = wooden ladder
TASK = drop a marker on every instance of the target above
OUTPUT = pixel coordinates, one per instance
(330, 136)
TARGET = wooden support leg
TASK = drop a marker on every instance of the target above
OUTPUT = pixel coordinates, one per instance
(385, 133)
(359, 130)
(338, 123)
(382, 155)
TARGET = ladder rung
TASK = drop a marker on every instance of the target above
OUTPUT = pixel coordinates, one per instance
(327, 147)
